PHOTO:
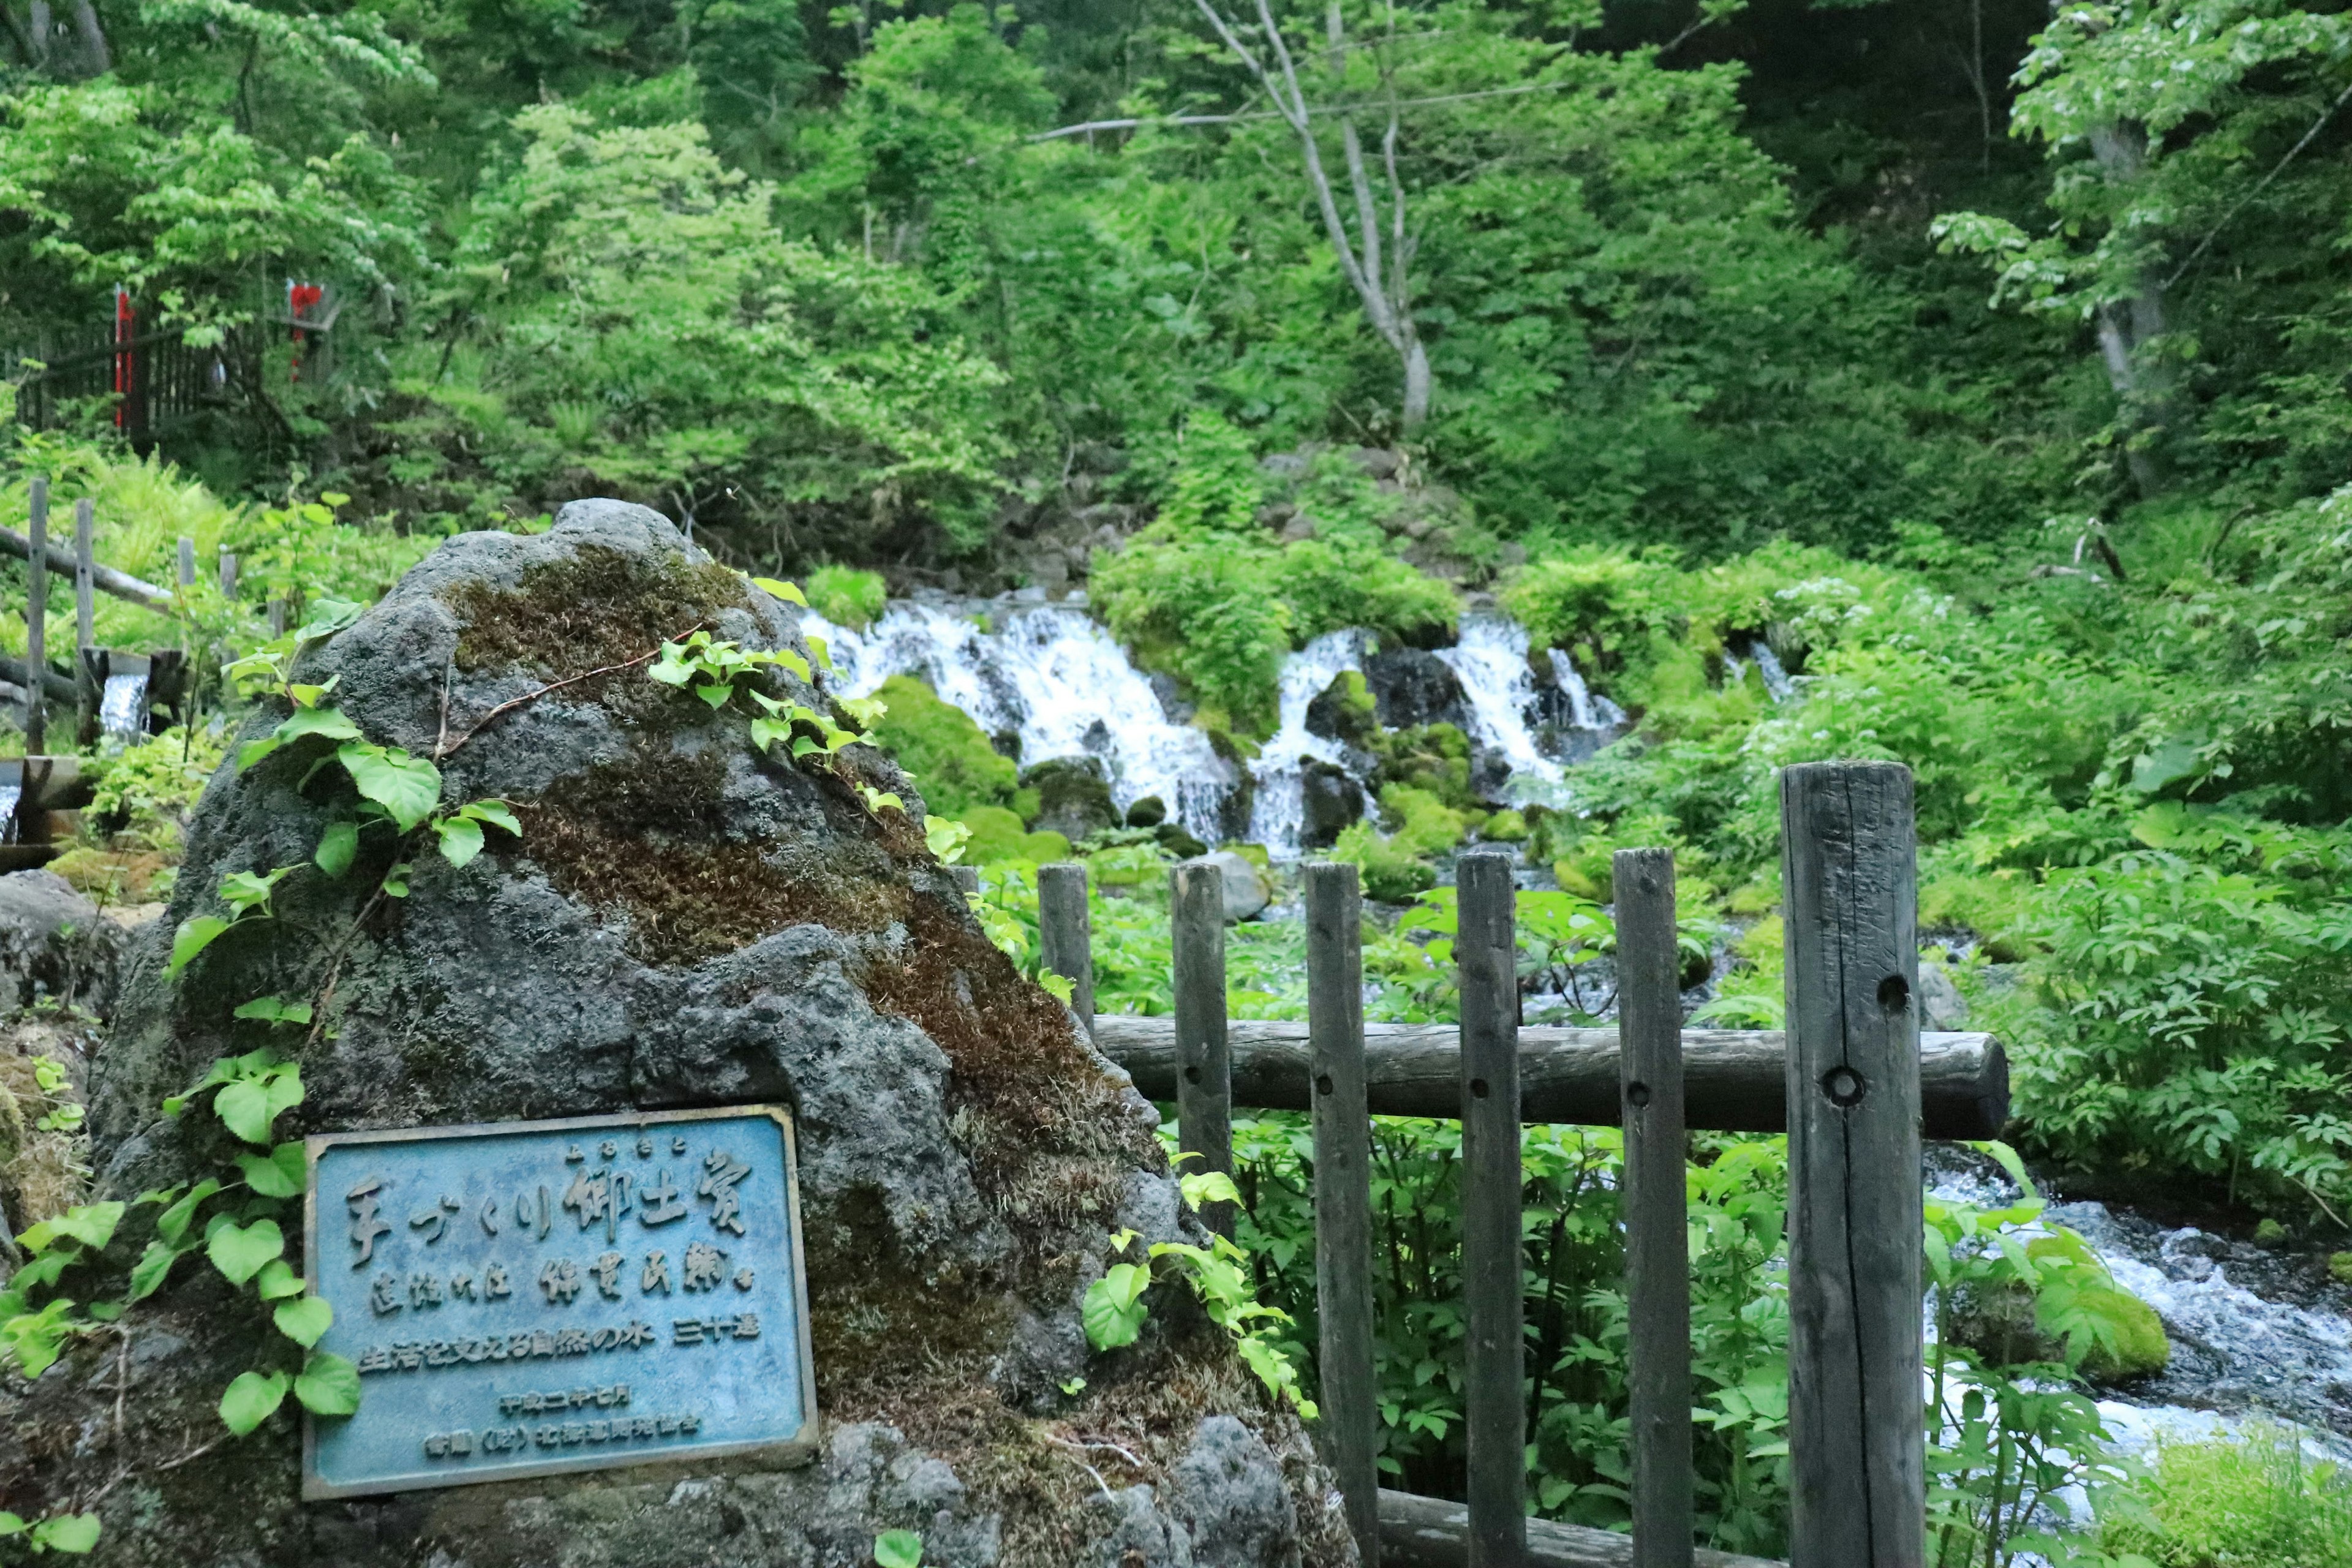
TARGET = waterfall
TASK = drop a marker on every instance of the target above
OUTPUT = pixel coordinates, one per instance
(1050, 675)
(1768, 665)
(10, 794)
(1588, 710)
(120, 710)
(1499, 689)
(1278, 812)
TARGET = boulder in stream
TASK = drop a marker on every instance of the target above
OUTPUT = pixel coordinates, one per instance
(684, 922)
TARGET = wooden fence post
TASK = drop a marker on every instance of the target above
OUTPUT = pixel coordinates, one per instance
(1343, 1195)
(1494, 1407)
(1658, 1248)
(37, 624)
(1856, 1430)
(85, 573)
(228, 574)
(1065, 940)
(1204, 1088)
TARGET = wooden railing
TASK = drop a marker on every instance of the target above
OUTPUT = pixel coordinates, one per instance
(1845, 1081)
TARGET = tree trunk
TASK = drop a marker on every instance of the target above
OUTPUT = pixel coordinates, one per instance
(96, 57)
(2125, 326)
(1416, 384)
(43, 31)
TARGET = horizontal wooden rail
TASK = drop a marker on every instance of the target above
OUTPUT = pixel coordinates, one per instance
(1735, 1079)
(1430, 1532)
(106, 579)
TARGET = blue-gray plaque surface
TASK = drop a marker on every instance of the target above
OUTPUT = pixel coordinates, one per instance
(524, 1298)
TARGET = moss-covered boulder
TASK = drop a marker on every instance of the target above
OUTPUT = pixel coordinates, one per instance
(684, 921)
(939, 745)
(1073, 797)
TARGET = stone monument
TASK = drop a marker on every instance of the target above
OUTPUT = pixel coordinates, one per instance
(684, 925)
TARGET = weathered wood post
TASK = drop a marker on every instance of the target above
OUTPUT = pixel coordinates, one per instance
(1494, 1407)
(187, 591)
(37, 624)
(228, 574)
(90, 679)
(1204, 1088)
(85, 573)
(1343, 1195)
(1657, 1247)
(1856, 1431)
(1065, 943)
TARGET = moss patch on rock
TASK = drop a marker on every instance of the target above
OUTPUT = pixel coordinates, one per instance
(938, 744)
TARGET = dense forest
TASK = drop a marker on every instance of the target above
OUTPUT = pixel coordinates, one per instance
(1988, 361)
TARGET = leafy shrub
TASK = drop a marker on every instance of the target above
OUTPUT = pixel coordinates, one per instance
(942, 750)
(998, 837)
(846, 595)
(150, 789)
(2260, 1503)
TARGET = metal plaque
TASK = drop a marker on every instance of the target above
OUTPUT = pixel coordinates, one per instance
(525, 1298)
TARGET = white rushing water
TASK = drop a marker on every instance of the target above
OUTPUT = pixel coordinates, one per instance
(1778, 685)
(121, 709)
(1588, 710)
(1498, 689)
(1053, 677)
(10, 794)
(1278, 809)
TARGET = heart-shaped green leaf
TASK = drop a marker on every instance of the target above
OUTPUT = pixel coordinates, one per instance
(303, 1319)
(497, 813)
(898, 1549)
(239, 1251)
(72, 1533)
(148, 1274)
(172, 1224)
(278, 1281)
(276, 1174)
(1112, 1310)
(250, 1398)
(337, 845)
(194, 935)
(407, 787)
(329, 1385)
(461, 838)
(243, 1108)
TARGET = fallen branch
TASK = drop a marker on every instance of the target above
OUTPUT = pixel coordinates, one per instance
(448, 748)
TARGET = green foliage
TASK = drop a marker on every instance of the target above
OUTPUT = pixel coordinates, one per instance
(847, 596)
(2232, 1503)
(897, 1548)
(152, 787)
(942, 750)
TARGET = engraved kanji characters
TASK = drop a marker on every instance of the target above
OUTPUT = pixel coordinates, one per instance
(660, 1203)
(383, 1295)
(424, 1290)
(703, 1266)
(608, 1270)
(494, 1283)
(742, 1279)
(656, 1276)
(461, 1287)
(720, 1174)
(366, 1225)
(559, 1280)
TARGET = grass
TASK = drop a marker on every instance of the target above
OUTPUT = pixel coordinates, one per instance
(2258, 1503)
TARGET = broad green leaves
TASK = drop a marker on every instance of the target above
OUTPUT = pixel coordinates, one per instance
(73, 1533)
(329, 1385)
(303, 1319)
(897, 1548)
(405, 788)
(1112, 1310)
(239, 1251)
(251, 1398)
(460, 831)
(328, 723)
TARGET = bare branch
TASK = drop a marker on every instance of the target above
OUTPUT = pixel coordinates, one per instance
(450, 748)
(2277, 169)
(1314, 110)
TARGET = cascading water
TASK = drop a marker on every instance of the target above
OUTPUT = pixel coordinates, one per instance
(1050, 675)
(10, 794)
(1278, 811)
(1588, 710)
(1499, 689)
(1777, 683)
(121, 709)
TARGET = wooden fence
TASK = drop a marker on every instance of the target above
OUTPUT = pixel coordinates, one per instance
(154, 378)
(1845, 1082)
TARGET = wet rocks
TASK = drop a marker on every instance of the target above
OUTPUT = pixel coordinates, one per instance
(1410, 686)
(1245, 890)
(1073, 797)
(1333, 801)
(54, 944)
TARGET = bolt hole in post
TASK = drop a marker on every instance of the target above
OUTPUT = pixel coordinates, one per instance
(1637, 1095)
(1844, 1086)
(1323, 1084)
(1893, 993)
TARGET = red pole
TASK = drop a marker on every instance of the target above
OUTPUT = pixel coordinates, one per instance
(126, 373)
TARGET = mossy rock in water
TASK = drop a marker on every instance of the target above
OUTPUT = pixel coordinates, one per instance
(997, 835)
(1073, 797)
(1344, 711)
(1431, 758)
(684, 922)
(2008, 1327)
(937, 741)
